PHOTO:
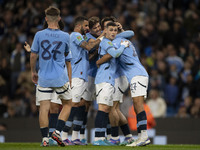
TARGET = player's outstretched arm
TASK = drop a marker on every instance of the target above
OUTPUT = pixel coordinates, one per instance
(126, 34)
(92, 44)
(117, 52)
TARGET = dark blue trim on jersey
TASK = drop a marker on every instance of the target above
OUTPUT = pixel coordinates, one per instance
(99, 92)
(142, 85)
(53, 29)
(78, 61)
(46, 91)
(129, 63)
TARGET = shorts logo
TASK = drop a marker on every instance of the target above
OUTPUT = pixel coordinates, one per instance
(106, 98)
(79, 38)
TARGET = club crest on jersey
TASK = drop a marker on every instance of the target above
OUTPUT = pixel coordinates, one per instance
(110, 43)
(79, 38)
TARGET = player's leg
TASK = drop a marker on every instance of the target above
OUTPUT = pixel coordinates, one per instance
(77, 111)
(123, 123)
(89, 95)
(114, 122)
(53, 117)
(64, 93)
(138, 92)
(104, 99)
(44, 96)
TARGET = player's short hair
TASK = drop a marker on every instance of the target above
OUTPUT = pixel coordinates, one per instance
(52, 13)
(93, 21)
(111, 18)
(111, 24)
(79, 20)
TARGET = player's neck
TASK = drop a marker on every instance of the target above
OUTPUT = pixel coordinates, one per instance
(53, 25)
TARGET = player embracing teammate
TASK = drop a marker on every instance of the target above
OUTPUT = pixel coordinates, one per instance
(115, 54)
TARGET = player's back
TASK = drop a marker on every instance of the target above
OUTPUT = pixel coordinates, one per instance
(51, 45)
(129, 61)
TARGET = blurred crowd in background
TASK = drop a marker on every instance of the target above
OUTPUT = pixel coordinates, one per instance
(167, 39)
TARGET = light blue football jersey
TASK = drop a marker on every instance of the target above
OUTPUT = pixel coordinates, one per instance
(129, 61)
(51, 46)
(106, 71)
(79, 62)
(92, 71)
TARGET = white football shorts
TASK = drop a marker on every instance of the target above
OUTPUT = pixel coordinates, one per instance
(121, 85)
(55, 94)
(138, 86)
(104, 93)
(79, 90)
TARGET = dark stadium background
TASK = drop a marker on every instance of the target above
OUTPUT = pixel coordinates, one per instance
(167, 39)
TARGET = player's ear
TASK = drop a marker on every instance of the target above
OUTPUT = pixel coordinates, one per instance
(46, 19)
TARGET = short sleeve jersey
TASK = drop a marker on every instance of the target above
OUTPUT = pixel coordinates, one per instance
(51, 46)
(129, 61)
(80, 60)
(106, 71)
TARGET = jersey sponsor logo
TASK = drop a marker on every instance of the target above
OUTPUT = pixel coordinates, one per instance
(79, 38)
(110, 43)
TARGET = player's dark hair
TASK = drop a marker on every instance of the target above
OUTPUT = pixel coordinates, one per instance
(93, 21)
(52, 11)
(106, 19)
(111, 24)
(79, 20)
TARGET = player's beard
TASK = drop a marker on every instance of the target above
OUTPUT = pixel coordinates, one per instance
(82, 31)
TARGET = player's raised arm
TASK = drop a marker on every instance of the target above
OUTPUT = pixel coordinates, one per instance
(92, 44)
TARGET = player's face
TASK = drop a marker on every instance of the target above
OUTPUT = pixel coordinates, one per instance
(96, 30)
(111, 32)
(84, 27)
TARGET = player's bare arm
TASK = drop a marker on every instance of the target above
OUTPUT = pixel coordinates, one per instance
(69, 70)
(104, 59)
(92, 44)
(33, 60)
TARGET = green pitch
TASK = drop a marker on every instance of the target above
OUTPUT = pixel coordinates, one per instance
(36, 146)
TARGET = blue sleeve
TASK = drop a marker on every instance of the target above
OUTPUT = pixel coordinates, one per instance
(68, 57)
(67, 44)
(116, 52)
(35, 44)
(78, 38)
(126, 34)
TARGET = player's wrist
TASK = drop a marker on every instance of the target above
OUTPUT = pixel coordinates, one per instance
(101, 38)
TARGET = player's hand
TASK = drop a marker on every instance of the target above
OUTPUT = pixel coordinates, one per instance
(27, 47)
(34, 77)
(97, 63)
(125, 43)
(119, 26)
